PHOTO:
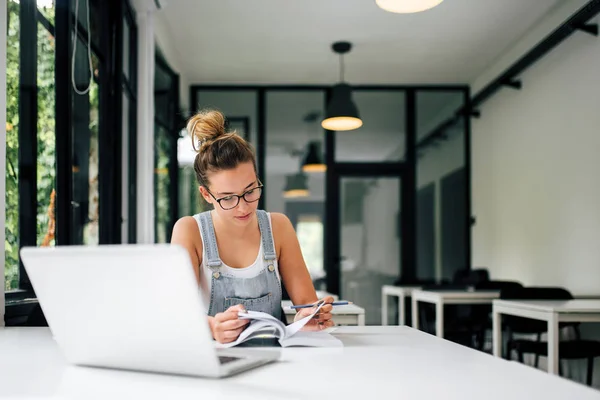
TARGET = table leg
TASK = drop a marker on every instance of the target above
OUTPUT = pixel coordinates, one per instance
(496, 333)
(439, 319)
(384, 308)
(553, 356)
(415, 313)
(361, 319)
(401, 311)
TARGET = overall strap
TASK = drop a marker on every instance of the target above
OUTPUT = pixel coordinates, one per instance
(266, 235)
(209, 240)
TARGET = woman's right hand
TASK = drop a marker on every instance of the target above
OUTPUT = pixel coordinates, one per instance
(226, 326)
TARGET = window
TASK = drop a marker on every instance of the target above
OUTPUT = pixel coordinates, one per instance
(41, 164)
(11, 257)
(166, 134)
(310, 235)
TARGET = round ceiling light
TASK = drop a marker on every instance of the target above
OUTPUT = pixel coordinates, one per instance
(407, 6)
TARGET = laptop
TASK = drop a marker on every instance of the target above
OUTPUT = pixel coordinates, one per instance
(135, 307)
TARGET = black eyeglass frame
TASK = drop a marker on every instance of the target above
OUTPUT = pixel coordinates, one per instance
(239, 196)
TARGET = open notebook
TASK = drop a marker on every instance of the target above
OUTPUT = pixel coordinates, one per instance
(263, 325)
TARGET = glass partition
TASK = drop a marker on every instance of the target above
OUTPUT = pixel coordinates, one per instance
(382, 135)
(441, 185)
(295, 182)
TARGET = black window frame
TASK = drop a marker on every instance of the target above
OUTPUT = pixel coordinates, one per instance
(173, 124)
(109, 52)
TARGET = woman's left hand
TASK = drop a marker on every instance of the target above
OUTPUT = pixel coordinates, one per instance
(321, 320)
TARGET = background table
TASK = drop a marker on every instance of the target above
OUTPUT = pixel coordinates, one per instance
(402, 292)
(442, 297)
(551, 311)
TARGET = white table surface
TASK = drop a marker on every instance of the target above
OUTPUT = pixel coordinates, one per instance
(442, 297)
(386, 362)
(401, 292)
(551, 311)
(349, 314)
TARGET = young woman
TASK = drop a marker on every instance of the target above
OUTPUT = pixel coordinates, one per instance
(240, 254)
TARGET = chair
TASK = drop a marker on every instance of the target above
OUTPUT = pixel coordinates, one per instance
(482, 313)
(457, 327)
(568, 350)
(471, 276)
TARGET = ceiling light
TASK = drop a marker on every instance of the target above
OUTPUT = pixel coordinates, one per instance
(313, 162)
(341, 114)
(407, 6)
(296, 186)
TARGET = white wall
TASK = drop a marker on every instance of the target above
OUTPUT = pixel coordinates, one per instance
(535, 186)
(2, 148)
(535, 159)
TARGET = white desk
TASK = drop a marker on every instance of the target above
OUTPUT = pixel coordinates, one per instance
(551, 311)
(387, 362)
(350, 314)
(401, 292)
(442, 297)
(321, 294)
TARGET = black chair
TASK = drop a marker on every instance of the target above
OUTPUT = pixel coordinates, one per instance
(482, 313)
(471, 276)
(457, 326)
(568, 350)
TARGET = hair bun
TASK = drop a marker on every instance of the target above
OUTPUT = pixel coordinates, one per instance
(205, 126)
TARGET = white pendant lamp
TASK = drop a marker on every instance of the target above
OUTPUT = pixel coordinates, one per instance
(407, 6)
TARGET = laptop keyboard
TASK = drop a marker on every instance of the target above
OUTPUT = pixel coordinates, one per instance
(225, 359)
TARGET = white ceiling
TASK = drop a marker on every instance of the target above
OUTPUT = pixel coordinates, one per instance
(275, 41)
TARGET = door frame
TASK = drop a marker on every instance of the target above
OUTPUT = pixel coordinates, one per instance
(405, 170)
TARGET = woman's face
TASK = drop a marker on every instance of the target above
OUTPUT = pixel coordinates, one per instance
(226, 185)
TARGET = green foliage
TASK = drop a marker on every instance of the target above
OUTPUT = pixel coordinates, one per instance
(161, 184)
(11, 243)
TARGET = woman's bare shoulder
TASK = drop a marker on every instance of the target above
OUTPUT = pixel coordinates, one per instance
(186, 232)
(280, 221)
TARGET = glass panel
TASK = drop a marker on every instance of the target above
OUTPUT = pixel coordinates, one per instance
(441, 186)
(161, 183)
(164, 109)
(309, 230)
(126, 54)
(85, 152)
(370, 240)
(125, 170)
(46, 153)
(11, 254)
(293, 121)
(239, 107)
(46, 8)
(382, 136)
(235, 104)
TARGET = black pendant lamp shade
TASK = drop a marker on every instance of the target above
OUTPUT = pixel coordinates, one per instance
(342, 113)
(313, 162)
(295, 186)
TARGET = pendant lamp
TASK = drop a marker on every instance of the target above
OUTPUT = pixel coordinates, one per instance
(313, 162)
(295, 186)
(407, 6)
(341, 114)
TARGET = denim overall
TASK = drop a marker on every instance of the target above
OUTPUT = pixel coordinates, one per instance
(259, 293)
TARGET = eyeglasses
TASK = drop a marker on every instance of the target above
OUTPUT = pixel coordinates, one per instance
(231, 201)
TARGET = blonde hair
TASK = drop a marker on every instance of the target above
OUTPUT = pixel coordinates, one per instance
(216, 148)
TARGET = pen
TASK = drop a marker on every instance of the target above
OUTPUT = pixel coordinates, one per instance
(335, 303)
